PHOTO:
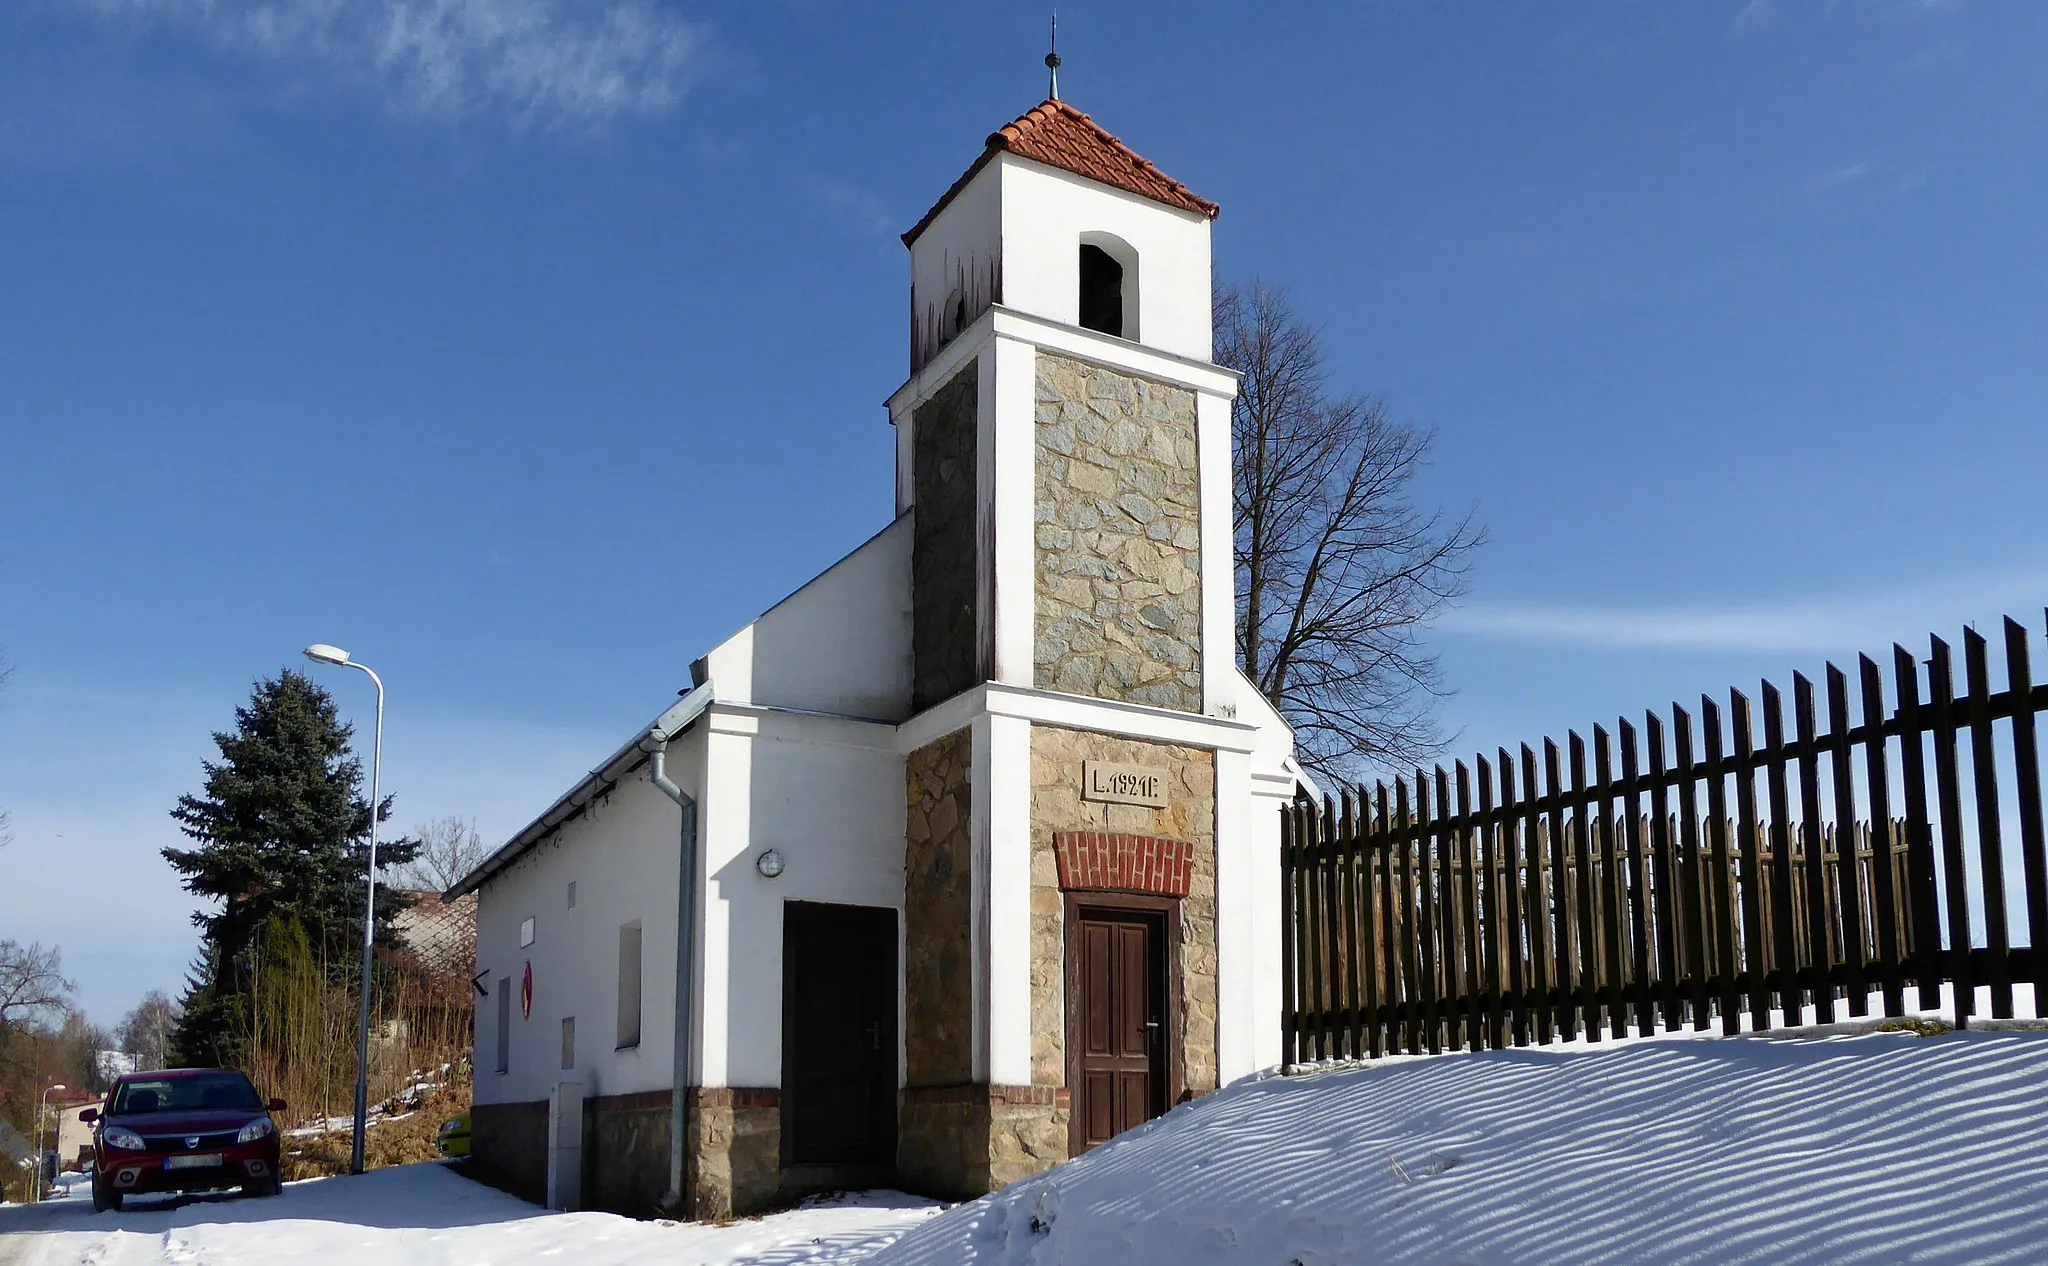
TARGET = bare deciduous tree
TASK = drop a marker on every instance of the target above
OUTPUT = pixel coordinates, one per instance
(145, 1032)
(449, 849)
(32, 984)
(1339, 572)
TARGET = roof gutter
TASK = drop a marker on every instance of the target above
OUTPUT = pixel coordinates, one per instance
(678, 717)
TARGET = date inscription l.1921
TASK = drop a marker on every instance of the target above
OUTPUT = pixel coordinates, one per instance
(1110, 783)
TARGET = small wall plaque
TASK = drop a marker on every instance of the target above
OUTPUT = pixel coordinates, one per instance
(1110, 783)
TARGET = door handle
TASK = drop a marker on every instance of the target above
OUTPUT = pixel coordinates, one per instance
(874, 1035)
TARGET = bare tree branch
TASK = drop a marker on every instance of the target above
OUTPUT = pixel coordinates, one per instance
(32, 984)
(449, 849)
(1339, 572)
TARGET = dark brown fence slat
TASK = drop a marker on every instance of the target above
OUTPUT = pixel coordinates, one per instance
(1613, 950)
(1585, 912)
(1726, 962)
(1519, 962)
(1783, 879)
(1990, 852)
(1848, 872)
(1391, 939)
(1333, 950)
(1884, 894)
(1412, 1001)
(1814, 866)
(1292, 926)
(1353, 975)
(1948, 798)
(1755, 960)
(1913, 722)
(1564, 930)
(1543, 978)
(1635, 881)
(1665, 873)
(1425, 902)
(1692, 877)
(1491, 915)
(1450, 932)
(2027, 776)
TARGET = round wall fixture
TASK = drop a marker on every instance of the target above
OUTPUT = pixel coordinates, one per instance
(769, 864)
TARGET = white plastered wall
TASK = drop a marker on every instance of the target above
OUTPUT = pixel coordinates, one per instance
(622, 854)
(827, 795)
(1046, 212)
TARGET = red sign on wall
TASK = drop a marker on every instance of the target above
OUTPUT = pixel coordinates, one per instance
(526, 992)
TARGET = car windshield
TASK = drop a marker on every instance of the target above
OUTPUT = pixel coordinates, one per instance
(226, 1091)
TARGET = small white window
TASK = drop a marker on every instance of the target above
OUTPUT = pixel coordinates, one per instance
(629, 985)
(572, 894)
(526, 932)
(568, 1041)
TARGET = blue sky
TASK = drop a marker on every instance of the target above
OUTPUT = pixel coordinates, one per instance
(527, 347)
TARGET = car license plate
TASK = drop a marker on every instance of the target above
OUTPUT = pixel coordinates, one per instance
(200, 1161)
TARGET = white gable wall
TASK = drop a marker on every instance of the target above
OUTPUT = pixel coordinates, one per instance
(839, 644)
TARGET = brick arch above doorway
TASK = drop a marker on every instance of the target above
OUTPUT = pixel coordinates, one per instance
(1115, 861)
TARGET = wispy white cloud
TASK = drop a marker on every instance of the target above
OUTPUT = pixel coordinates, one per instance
(860, 209)
(1820, 625)
(536, 63)
(1836, 177)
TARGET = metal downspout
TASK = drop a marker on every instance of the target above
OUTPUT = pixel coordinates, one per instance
(656, 748)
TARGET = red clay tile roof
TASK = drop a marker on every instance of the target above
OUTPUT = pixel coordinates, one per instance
(1058, 135)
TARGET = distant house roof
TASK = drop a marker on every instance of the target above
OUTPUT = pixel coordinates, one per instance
(442, 933)
(1058, 135)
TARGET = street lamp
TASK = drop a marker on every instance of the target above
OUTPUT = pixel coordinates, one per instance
(42, 1108)
(321, 653)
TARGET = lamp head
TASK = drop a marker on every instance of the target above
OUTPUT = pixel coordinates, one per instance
(322, 653)
(60, 1086)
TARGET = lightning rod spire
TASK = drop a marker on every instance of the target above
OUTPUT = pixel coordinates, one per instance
(1052, 57)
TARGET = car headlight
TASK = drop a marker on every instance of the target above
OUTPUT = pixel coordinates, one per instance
(259, 1128)
(125, 1140)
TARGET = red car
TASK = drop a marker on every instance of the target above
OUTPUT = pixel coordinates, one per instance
(183, 1129)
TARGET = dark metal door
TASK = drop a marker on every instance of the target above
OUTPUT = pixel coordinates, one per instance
(839, 1034)
(1122, 1024)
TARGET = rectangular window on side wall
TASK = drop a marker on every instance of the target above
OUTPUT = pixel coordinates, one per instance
(572, 894)
(568, 1041)
(629, 985)
(504, 1023)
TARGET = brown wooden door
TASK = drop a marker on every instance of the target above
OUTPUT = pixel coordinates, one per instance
(1121, 1039)
(838, 1034)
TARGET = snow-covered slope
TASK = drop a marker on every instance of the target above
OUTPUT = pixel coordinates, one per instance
(1876, 1148)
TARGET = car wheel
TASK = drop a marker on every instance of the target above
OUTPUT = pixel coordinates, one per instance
(263, 1187)
(103, 1199)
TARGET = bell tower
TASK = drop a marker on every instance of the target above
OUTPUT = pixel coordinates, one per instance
(1079, 761)
(1059, 294)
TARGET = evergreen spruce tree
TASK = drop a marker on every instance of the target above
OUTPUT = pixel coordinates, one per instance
(278, 833)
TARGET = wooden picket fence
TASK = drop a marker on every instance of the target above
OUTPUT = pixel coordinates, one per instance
(1681, 875)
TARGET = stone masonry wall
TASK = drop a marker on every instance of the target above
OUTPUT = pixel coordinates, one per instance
(1118, 537)
(942, 1136)
(736, 1160)
(945, 641)
(1190, 815)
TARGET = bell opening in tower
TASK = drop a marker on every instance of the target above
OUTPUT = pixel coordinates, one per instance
(1102, 291)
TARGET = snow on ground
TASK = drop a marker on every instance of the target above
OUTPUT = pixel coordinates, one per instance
(1830, 1145)
(426, 1215)
(1880, 1147)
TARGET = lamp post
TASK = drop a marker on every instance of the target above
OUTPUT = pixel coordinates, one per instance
(42, 1108)
(321, 653)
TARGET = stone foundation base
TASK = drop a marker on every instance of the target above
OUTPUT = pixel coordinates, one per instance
(736, 1152)
(959, 1142)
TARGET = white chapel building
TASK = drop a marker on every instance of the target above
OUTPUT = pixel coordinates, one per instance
(965, 856)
